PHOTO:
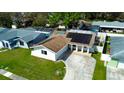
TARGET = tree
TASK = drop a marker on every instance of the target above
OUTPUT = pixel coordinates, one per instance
(121, 17)
(6, 20)
(30, 19)
(71, 18)
(67, 18)
(40, 20)
(54, 18)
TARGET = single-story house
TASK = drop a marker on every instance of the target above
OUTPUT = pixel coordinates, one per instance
(24, 38)
(116, 25)
(54, 47)
(81, 40)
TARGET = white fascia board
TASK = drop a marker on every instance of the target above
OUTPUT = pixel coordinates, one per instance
(22, 40)
(110, 26)
(43, 47)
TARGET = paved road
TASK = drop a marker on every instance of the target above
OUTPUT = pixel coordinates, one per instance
(114, 73)
(79, 67)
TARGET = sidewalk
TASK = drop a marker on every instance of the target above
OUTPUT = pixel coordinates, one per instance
(11, 75)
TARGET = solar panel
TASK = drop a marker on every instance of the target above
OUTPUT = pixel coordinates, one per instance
(79, 37)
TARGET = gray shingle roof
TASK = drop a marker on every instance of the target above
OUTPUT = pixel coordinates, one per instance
(3, 30)
(117, 48)
(8, 35)
(30, 37)
(25, 34)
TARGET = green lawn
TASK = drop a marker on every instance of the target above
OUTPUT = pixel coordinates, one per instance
(4, 78)
(100, 70)
(2, 49)
(20, 62)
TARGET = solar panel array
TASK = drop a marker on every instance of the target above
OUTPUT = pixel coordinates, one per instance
(80, 37)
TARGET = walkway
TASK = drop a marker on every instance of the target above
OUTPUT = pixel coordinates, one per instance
(79, 67)
(114, 73)
(11, 75)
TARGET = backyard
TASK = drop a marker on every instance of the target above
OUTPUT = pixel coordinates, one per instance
(100, 70)
(20, 62)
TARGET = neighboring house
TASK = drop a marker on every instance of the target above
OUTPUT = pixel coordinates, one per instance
(117, 50)
(114, 26)
(24, 38)
(54, 47)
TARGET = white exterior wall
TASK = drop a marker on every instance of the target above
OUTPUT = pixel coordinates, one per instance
(6, 42)
(60, 52)
(24, 46)
(115, 35)
(99, 48)
(102, 36)
(102, 39)
(1, 44)
(50, 54)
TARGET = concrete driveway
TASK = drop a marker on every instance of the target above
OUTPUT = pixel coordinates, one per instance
(79, 67)
(114, 73)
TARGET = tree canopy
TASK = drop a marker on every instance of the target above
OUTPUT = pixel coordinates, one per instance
(66, 18)
(6, 20)
(69, 19)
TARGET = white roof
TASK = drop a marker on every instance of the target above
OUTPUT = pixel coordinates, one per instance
(113, 24)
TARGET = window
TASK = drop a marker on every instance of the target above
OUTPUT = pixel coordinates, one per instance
(74, 47)
(79, 48)
(3, 44)
(85, 49)
(7, 45)
(44, 52)
(21, 43)
(69, 46)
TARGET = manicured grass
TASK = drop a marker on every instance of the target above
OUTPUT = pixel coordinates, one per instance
(100, 70)
(4, 78)
(2, 49)
(20, 62)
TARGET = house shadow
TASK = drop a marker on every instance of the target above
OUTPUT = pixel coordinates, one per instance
(65, 55)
